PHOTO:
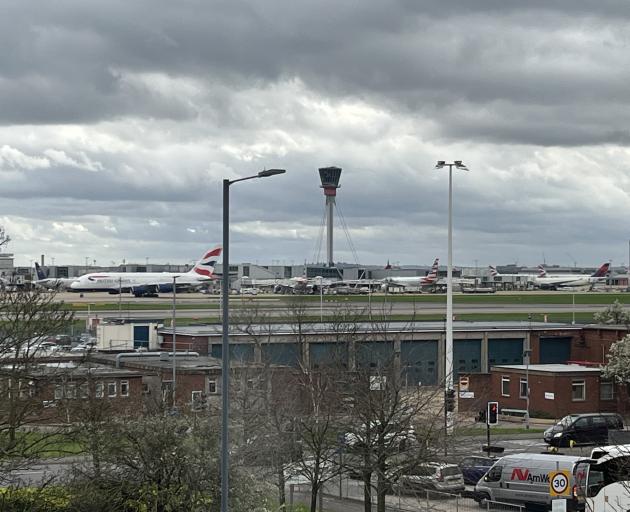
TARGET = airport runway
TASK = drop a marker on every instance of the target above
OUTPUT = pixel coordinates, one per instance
(197, 305)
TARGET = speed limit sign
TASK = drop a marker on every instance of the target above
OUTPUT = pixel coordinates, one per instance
(559, 483)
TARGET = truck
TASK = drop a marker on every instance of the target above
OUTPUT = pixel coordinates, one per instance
(523, 479)
(603, 481)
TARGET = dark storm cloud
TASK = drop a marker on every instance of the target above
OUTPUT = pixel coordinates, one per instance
(472, 68)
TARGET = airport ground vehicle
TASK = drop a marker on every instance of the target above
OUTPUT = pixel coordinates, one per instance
(581, 429)
(433, 476)
(523, 479)
(473, 468)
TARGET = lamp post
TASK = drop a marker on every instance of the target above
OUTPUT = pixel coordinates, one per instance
(225, 346)
(527, 354)
(173, 341)
(321, 298)
(448, 349)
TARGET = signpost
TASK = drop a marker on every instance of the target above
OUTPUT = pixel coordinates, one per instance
(559, 483)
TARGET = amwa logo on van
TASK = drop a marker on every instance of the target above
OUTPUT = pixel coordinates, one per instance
(524, 474)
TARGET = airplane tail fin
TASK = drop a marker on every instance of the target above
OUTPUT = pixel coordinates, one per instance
(433, 274)
(541, 270)
(205, 266)
(602, 271)
(40, 272)
(493, 270)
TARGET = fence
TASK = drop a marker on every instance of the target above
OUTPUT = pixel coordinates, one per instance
(346, 491)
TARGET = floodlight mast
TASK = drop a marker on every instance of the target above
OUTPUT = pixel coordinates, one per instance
(448, 349)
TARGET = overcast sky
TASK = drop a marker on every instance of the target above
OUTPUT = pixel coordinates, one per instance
(119, 119)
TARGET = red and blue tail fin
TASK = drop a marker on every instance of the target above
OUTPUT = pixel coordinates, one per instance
(602, 271)
(205, 266)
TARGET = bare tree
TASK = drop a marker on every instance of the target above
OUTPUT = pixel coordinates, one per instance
(4, 238)
(389, 430)
(27, 317)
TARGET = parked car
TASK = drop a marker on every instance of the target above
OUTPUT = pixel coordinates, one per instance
(434, 476)
(473, 468)
(581, 429)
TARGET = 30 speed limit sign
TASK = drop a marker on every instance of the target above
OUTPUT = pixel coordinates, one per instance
(559, 483)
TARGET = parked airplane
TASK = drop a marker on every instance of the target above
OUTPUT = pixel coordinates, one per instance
(292, 285)
(416, 281)
(552, 282)
(149, 284)
(52, 283)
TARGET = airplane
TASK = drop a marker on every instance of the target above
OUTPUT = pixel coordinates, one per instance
(52, 283)
(552, 282)
(293, 285)
(149, 284)
(416, 281)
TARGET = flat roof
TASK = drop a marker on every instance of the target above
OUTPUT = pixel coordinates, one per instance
(310, 327)
(551, 368)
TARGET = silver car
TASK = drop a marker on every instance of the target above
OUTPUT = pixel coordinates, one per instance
(434, 476)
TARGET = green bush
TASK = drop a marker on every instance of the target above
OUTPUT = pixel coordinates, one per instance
(32, 499)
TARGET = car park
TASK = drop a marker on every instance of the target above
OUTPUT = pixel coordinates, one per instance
(433, 476)
(583, 429)
(475, 467)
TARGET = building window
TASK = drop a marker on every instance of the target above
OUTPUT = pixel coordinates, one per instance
(124, 388)
(578, 390)
(212, 387)
(523, 389)
(197, 400)
(84, 390)
(111, 389)
(58, 391)
(71, 391)
(100, 390)
(505, 386)
(606, 390)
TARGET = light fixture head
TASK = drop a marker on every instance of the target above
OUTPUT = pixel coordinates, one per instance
(440, 164)
(270, 172)
(460, 165)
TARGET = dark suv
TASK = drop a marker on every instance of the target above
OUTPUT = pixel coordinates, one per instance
(580, 429)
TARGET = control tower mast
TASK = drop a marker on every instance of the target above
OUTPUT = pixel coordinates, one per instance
(329, 177)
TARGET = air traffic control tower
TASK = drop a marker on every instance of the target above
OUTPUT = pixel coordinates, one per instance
(329, 177)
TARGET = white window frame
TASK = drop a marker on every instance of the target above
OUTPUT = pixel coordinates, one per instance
(84, 390)
(580, 383)
(213, 387)
(505, 380)
(99, 390)
(124, 388)
(109, 393)
(58, 391)
(522, 381)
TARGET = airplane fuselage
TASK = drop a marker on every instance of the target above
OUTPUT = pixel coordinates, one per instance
(129, 281)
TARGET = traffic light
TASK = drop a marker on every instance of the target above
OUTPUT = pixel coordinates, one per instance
(449, 400)
(493, 413)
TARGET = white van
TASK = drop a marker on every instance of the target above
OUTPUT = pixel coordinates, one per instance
(523, 478)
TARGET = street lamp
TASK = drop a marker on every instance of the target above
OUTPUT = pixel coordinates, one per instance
(448, 349)
(527, 354)
(225, 345)
(173, 409)
(321, 298)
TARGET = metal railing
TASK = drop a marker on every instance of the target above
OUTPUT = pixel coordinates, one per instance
(418, 501)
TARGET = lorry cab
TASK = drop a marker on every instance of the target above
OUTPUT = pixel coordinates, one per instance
(523, 479)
